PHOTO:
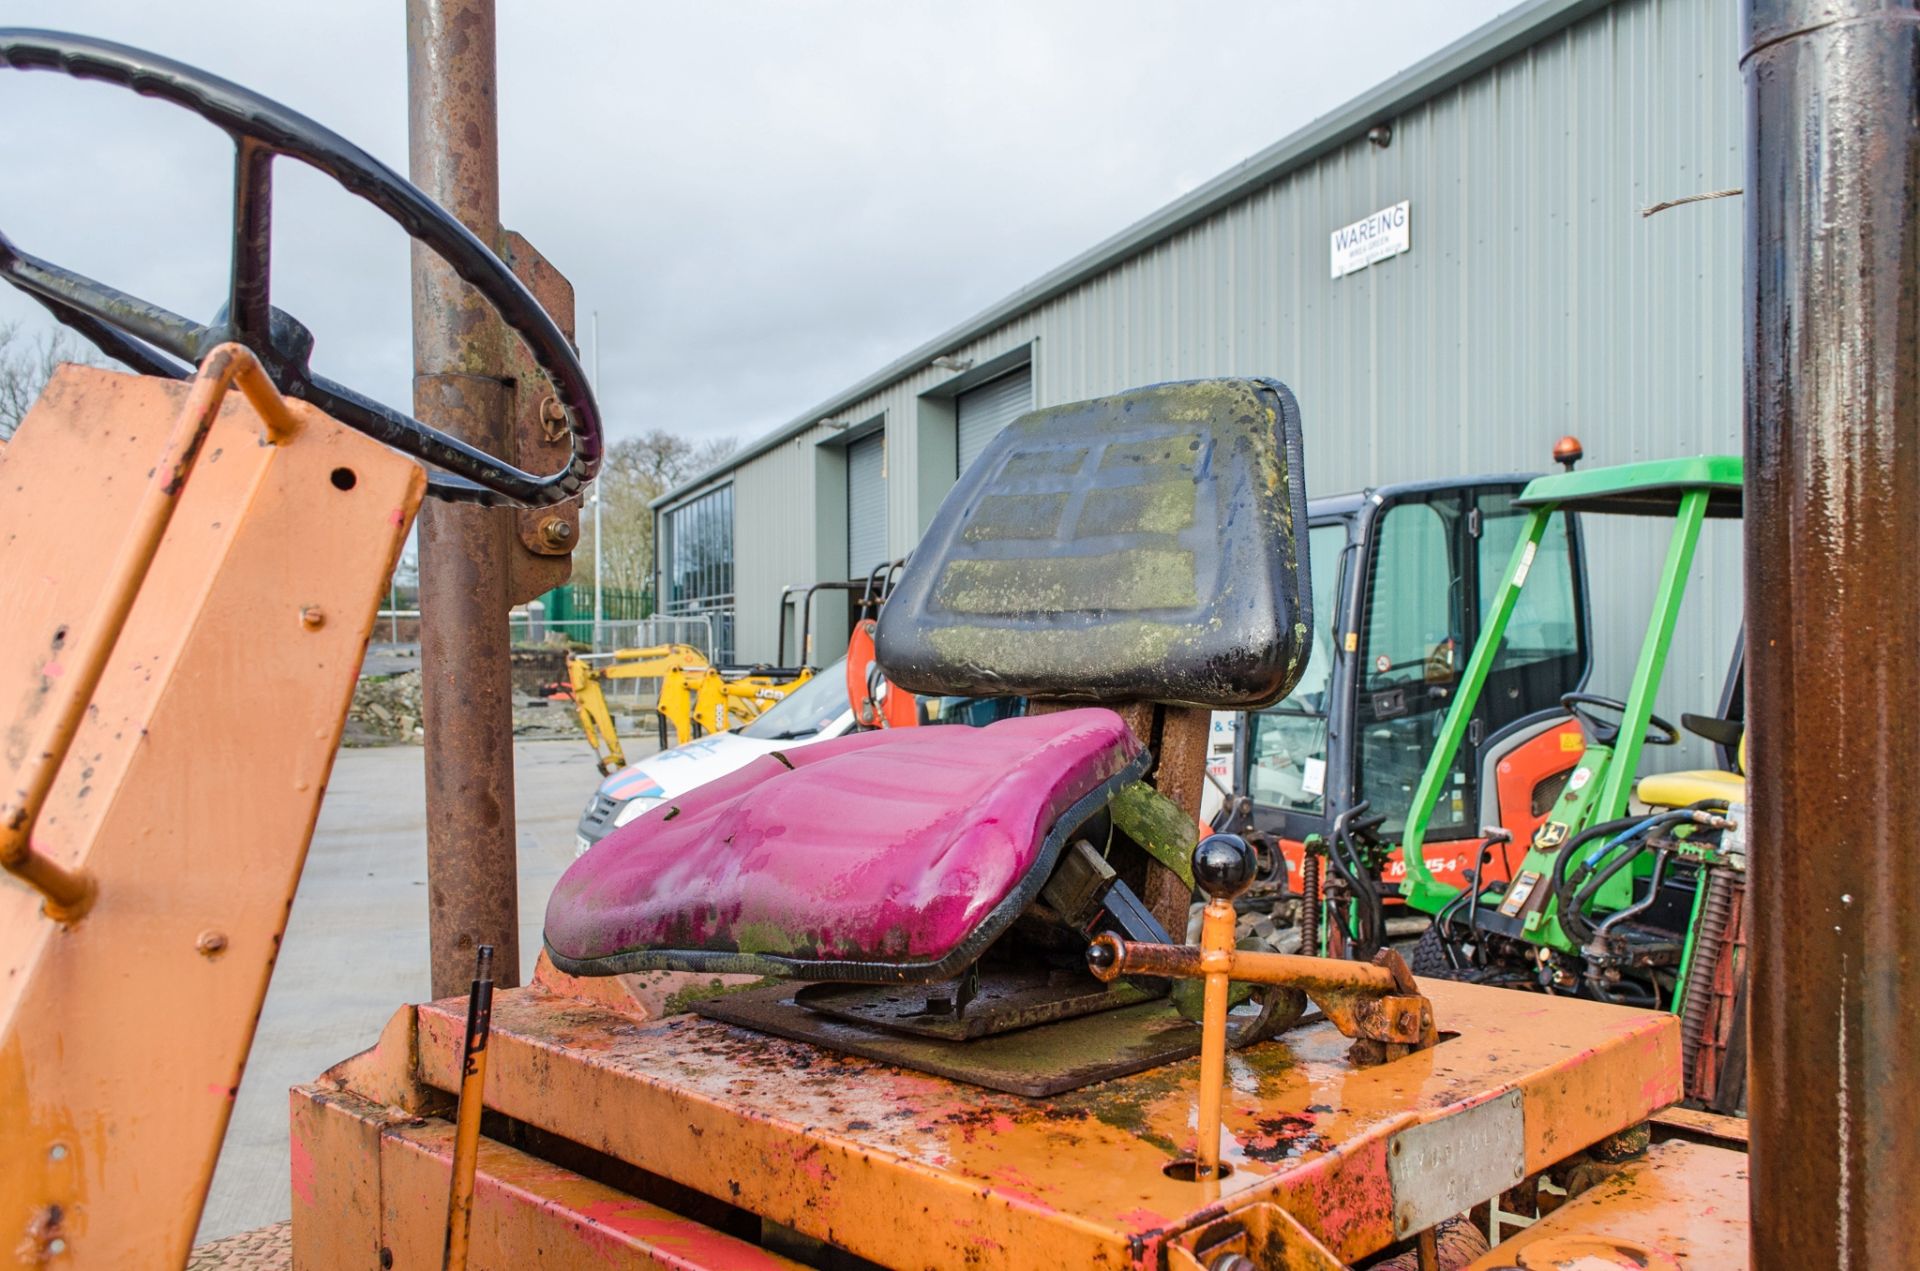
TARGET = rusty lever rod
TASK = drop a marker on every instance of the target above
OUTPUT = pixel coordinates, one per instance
(1377, 1003)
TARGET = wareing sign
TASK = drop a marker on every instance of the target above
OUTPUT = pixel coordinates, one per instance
(1379, 236)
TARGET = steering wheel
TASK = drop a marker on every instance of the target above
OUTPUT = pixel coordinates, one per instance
(1605, 734)
(149, 338)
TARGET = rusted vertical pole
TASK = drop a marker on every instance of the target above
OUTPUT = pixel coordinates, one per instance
(1832, 527)
(458, 363)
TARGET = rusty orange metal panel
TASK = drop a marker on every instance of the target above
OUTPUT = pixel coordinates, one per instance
(189, 792)
(908, 1169)
(1697, 1126)
(1683, 1205)
(334, 1154)
(526, 1212)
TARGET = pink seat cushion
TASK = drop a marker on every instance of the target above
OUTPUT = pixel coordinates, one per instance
(893, 855)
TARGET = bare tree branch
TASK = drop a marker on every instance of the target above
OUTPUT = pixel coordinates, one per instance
(26, 364)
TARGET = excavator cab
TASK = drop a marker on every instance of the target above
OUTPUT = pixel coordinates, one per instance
(1403, 578)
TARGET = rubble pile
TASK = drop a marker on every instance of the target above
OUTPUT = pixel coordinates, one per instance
(386, 709)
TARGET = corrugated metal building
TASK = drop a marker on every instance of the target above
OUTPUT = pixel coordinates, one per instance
(1535, 299)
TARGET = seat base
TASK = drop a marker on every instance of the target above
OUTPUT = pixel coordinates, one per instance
(1039, 1062)
(1005, 1000)
(896, 856)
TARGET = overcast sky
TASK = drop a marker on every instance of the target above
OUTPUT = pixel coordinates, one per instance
(763, 201)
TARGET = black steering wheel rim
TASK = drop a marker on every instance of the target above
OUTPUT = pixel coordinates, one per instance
(138, 333)
(1604, 735)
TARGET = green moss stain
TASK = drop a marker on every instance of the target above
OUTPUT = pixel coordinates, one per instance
(1153, 507)
(682, 1002)
(1145, 578)
(1044, 463)
(1157, 824)
(1056, 653)
(764, 937)
(1174, 453)
(1015, 516)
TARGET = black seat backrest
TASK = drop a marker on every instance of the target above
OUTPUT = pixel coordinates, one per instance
(1148, 546)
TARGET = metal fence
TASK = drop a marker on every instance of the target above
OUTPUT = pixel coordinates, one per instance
(534, 624)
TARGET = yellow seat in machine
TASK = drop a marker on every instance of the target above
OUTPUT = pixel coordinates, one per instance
(1678, 789)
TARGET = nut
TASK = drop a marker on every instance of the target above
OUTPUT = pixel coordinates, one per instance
(556, 532)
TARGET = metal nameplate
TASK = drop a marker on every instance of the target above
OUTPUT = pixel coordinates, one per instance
(1439, 1168)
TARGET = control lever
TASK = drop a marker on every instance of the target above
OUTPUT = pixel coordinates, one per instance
(1377, 1003)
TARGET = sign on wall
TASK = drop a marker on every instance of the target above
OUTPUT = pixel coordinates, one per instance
(1373, 238)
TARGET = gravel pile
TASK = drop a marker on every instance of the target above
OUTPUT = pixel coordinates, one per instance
(386, 709)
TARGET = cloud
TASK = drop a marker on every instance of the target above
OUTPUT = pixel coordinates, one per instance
(764, 201)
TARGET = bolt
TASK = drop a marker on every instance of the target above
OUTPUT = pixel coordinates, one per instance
(312, 618)
(556, 532)
(211, 944)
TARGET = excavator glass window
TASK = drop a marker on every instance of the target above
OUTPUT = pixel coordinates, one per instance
(1542, 655)
(1289, 740)
(1436, 563)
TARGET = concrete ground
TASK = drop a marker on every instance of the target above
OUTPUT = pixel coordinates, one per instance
(356, 945)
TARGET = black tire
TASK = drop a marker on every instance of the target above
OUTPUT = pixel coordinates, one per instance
(1430, 956)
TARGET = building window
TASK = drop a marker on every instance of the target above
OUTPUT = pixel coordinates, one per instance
(698, 556)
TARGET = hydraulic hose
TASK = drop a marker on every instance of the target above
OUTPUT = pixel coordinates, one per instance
(1571, 892)
(1558, 881)
(1346, 862)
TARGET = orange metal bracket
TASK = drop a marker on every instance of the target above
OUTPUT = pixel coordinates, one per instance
(190, 575)
(68, 893)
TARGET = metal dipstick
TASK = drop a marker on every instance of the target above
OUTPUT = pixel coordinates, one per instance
(466, 1133)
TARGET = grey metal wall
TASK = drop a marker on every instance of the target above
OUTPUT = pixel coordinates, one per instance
(1536, 300)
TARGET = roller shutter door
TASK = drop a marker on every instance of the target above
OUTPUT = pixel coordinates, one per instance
(866, 504)
(984, 411)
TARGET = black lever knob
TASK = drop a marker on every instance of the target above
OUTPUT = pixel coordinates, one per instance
(1224, 866)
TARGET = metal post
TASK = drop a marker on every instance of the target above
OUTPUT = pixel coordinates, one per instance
(599, 556)
(1832, 520)
(459, 370)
